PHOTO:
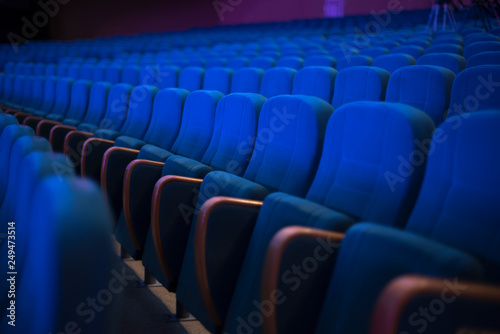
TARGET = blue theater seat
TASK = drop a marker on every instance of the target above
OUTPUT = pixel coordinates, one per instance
(412, 50)
(374, 51)
(291, 62)
(191, 78)
(131, 75)
(478, 47)
(277, 81)
(168, 76)
(425, 87)
(484, 58)
(262, 62)
(307, 118)
(316, 81)
(98, 72)
(354, 61)
(451, 61)
(238, 62)
(337, 197)
(445, 48)
(218, 78)
(247, 80)
(113, 74)
(79, 100)
(475, 89)
(360, 83)
(320, 61)
(39, 69)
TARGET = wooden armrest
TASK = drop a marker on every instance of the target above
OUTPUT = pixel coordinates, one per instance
(401, 291)
(200, 246)
(86, 150)
(105, 161)
(42, 123)
(155, 217)
(275, 251)
(31, 118)
(14, 111)
(72, 134)
(59, 127)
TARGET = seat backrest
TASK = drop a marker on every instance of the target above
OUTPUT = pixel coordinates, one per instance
(458, 202)
(362, 179)
(168, 76)
(74, 71)
(277, 81)
(50, 70)
(262, 62)
(27, 91)
(353, 61)
(374, 51)
(130, 75)
(18, 89)
(320, 61)
(412, 50)
(445, 48)
(484, 58)
(49, 94)
(37, 92)
(451, 61)
(98, 98)
(218, 78)
(63, 96)
(117, 107)
(8, 87)
(86, 72)
(113, 74)
(425, 87)
(279, 161)
(479, 47)
(191, 78)
(166, 117)
(316, 81)
(474, 89)
(99, 73)
(290, 61)
(197, 124)
(148, 75)
(6, 120)
(140, 107)
(80, 92)
(238, 62)
(57, 203)
(360, 83)
(236, 119)
(247, 80)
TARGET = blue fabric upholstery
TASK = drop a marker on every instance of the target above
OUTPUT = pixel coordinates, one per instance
(412, 50)
(130, 75)
(113, 74)
(247, 80)
(375, 51)
(218, 78)
(79, 100)
(97, 101)
(73, 71)
(320, 61)
(478, 47)
(191, 78)
(7, 87)
(168, 76)
(456, 205)
(484, 58)
(277, 81)
(62, 99)
(453, 62)
(316, 81)
(360, 83)
(262, 62)
(238, 63)
(36, 95)
(291, 62)
(422, 86)
(6, 120)
(354, 61)
(350, 298)
(445, 48)
(475, 89)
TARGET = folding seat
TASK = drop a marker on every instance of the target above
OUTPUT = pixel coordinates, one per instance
(16, 96)
(19, 68)
(218, 78)
(148, 75)
(39, 69)
(484, 58)
(216, 62)
(238, 62)
(360, 83)
(60, 107)
(79, 101)
(179, 62)
(291, 62)
(385, 44)
(112, 117)
(451, 61)
(277, 81)
(191, 78)
(130, 75)
(316, 81)
(445, 48)
(50, 70)
(10, 134)
(86, 72)
(42, 97)
(167, 76)
(246, 80)
(6, 120)
(196, 62)
(62, 70)
(9, 67)
(451, 232)
(262, 62)
(475, 89)
(448, 39)
(59, 202)
(320, 61)
(374, 51)
(412, 50)
(229, 124)
(28, 69)
(99, 72)
(113, 74)
(425, 87)
(21, 148)
(7, 89)
(337, 198)
(423, 43)
(353, 61)
(478, 47)
(480, 37)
